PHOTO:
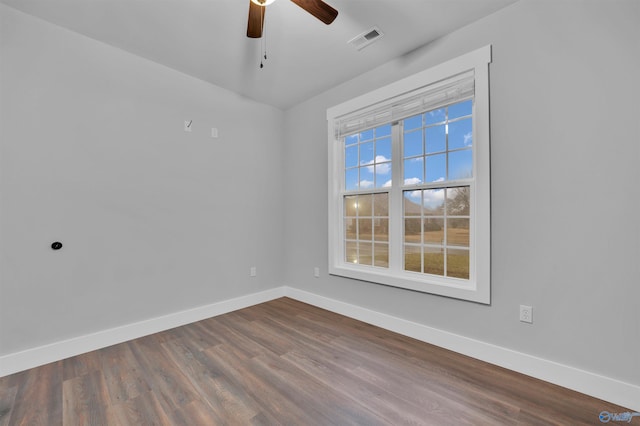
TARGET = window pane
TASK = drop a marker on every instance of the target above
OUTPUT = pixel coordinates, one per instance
(433, 231)
(381, 255)
(412, 201)
(350, 140)
(350, 205)
(460, 134)
(435, 116)
(364, 206)
(351, 179)
(436, 168)
(381, 229)
(412, 258)
(412, 230)
(460, 109)
(366, 177)
(434, 260)
(350, 229)
(364, 229)
(365, 253)
(460, 164)
(383, 148)
(414, 171)
(383, 175)
(458, 201)
(366, 153)
(436, 139)
(458, 263)
(414, 122)
(381, 204)
(436, 221)
(366, 135)
(458, 232)
(351, 156)
(413, 144)
(433, 202)
(351, 252)
(384, 130)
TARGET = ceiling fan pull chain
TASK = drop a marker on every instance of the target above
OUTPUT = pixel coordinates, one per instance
(263, 45)
(264, 41)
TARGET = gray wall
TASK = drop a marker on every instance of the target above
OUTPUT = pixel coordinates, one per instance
(153, 220)
(565, 154)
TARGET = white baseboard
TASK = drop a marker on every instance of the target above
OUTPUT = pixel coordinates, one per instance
(598, 386)
(19, 361)
(608, 389)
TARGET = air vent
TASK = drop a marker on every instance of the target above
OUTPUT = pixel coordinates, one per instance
(366, 38)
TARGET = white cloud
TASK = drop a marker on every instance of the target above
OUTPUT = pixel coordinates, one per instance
(366, 183)
(415, 194)
(433, 198)
(412, 181)
(381, 169)
(468, 139)
(387, 184)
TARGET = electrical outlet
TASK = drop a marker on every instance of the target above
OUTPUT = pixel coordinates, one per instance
(253, 271)
(526, 314)
(316, 272)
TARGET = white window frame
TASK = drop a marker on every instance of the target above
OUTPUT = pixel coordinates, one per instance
(477, 288)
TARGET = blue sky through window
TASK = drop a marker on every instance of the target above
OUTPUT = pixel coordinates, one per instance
(437, 146)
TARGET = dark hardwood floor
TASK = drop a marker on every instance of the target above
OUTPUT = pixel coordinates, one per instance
(284, 362)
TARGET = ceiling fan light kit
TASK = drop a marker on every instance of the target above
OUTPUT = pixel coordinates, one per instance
(263, 2)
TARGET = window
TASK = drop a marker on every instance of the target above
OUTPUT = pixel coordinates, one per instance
(409, 182)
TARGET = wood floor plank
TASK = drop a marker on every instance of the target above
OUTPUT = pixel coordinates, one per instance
(226, 330)
(80, 365)
(38, 399)
(86, 401)
(223, 399)
(274, 404)
(143, 410)
(285, 362)
(390, 408)
(124, 377)
(169, 385)
(305, 391)
(7, 400)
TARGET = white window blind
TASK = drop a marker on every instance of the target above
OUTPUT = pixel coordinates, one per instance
(447, 91)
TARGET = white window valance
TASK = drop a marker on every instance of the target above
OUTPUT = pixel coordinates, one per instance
(444, 92)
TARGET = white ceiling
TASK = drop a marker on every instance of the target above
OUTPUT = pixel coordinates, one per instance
(207, 38)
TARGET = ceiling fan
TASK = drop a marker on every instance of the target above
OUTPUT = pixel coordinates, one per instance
(317, 8)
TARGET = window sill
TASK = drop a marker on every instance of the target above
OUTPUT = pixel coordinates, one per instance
(448, 287)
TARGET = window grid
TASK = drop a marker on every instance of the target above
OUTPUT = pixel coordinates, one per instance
(432, 140)
(436, 240)
(368, 159)
(366, 225)
(446, 134)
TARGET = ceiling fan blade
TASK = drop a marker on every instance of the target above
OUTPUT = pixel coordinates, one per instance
(319, 9)
(256, 20)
